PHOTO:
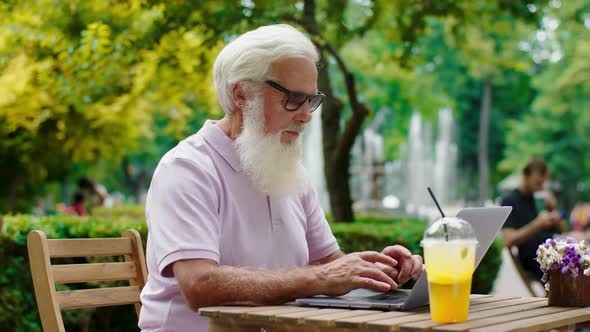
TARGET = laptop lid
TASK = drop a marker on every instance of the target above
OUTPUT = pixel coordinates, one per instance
(486, 223)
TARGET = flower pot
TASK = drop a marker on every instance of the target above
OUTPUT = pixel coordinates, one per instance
(567, 291)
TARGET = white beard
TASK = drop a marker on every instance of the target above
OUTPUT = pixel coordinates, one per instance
(273, 167)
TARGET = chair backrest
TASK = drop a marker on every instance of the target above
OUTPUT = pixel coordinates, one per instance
(526, 279)
(46, 276)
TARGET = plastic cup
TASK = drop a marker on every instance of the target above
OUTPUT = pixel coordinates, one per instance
(449, 261)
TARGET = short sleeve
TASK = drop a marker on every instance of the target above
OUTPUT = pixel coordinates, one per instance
(512, 221)
(320, 240)
(182, 211)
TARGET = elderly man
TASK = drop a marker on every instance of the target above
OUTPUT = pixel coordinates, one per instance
(232, 219)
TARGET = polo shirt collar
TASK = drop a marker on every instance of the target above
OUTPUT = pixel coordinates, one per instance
(225, 146)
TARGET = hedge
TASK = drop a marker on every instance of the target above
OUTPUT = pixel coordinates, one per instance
(118, 212)
(18, 310)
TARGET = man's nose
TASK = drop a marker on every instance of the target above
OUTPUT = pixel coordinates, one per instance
(303, 114)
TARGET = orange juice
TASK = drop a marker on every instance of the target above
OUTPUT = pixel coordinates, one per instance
(449, 267)
(449, 302)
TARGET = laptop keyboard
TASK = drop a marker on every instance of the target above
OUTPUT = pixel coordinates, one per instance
(390, 297)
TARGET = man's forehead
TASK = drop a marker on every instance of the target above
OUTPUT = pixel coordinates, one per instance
(296, 74)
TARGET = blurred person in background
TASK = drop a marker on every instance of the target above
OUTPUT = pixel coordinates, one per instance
(526, 227)
(77, 208)
(97, 193)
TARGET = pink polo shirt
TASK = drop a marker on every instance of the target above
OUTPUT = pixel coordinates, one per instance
(200, 205)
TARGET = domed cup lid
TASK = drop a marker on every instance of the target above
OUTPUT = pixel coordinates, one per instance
(449, 229)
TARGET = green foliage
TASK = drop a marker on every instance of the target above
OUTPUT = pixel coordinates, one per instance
(558, 125)
(443, 66)
(86, 81)
(16, 290)
(132, 212)
(365, 236)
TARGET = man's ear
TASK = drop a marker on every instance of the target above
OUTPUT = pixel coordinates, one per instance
(238, 97)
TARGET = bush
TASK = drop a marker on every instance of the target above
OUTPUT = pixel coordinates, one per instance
(118, 212)
(17, 297)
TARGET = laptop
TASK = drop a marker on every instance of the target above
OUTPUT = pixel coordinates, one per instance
(486, 224)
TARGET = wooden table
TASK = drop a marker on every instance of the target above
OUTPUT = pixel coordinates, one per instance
(486, 313)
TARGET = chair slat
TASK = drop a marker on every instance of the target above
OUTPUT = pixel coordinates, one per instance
(89, 247)
(98, 297)
(71, 273)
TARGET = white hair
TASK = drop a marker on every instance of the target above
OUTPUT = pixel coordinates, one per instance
(248, 57)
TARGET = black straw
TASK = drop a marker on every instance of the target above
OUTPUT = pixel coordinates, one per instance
(441, 213)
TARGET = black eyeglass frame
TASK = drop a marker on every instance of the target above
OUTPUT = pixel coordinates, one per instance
(315, 98)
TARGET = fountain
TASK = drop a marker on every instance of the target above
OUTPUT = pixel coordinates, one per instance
(445, 167)
(402, 183)
(313, 158)
(424, 164)
(397, 186)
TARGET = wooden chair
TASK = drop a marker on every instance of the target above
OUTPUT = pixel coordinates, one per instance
(527, 279)
(45, 275)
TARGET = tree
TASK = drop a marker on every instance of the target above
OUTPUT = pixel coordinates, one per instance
(403, 33)
(108, 69)
(558, 126)
(455, 74)
(492, 51)
(84, 81)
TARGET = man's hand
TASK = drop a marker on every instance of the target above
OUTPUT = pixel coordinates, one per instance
(409, 266)
(547, 220)
(366, 269)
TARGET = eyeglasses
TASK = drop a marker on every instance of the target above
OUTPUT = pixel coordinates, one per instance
(296, 99)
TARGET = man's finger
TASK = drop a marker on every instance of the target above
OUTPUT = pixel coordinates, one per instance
(390, 271)
(378, 275)
(373, 284)
(375, 257)
(418, 266)
(397, 252)
(405, 271)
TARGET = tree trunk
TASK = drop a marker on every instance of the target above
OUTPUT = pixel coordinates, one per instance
(337, 141)
(133, 183)
(484, 127)
(13, 193)
(337, 172)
